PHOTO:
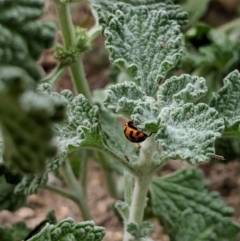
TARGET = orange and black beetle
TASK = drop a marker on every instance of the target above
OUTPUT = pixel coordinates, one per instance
(133, 134)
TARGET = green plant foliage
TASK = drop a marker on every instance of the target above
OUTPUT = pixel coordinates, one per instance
(24, 184)
(189, 132)
(9, 200)
(228, 148)
(66, 230)
(82, 40)
(145, 115)
(140, 231)
(122, 208)
(191, 6)
(180, 90)
(124, 97)
(114, 134)
(227, 102)
(212, 53)
(18, 19)
(107, 7)
(145, 42)
(147, 54)
(26, 130)
(83, 127)
(174, 193)
(17, 232)
(30, 183)
(65, 56)
(198, 227)
(80, 128)
(86, 127)
(50, 218)
(10, 177)
(25, 117)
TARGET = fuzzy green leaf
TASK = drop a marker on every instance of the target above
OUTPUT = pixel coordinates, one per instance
(191, 6)
(25, 117)
(66, 230)
(26, 129)
(146, 53)
(86, 125)
(18, 19)
(106, 7)
(188, 132)
(17, 232)
(124, 97)
(174, 193)
(80, 128)
(50, 218)
(8, 199)
(198, 227)
(180, 90)
(30, 183)
(114, 134)
(227, 102)
(140, 231)
(145, 115)
(92, 129)
(123, 209)
(83, 128)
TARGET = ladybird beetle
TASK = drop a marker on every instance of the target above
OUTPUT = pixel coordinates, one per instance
(133, 134)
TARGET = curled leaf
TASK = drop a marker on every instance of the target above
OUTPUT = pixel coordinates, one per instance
(189, 132)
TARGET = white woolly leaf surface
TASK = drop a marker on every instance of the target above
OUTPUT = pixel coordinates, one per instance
(67, 230)
(124, 97)
(189, 132)
(108, 7)
(182, 89)
(144, 43)
(227, 102)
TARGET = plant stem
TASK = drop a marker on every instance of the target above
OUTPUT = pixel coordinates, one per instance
(142, 182)
(59, 191)
(138, 204)
(234, 24)
(109, 177)
(121, 161)
(94, 32)
(76, 189)
(55, 74)
(139, 200)
(67, 30)
(83, 174)
(128, 181)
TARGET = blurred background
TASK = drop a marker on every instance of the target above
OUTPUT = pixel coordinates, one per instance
(212, 41)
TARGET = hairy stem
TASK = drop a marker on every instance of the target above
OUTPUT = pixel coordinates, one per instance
(69, 40)
(139, 200)
(141, 185)
(108, 175)
(83, 174)
(121, 161)
(128, 181)
(138, 203)
(59, 191)
(54, 75)
(76, 190)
